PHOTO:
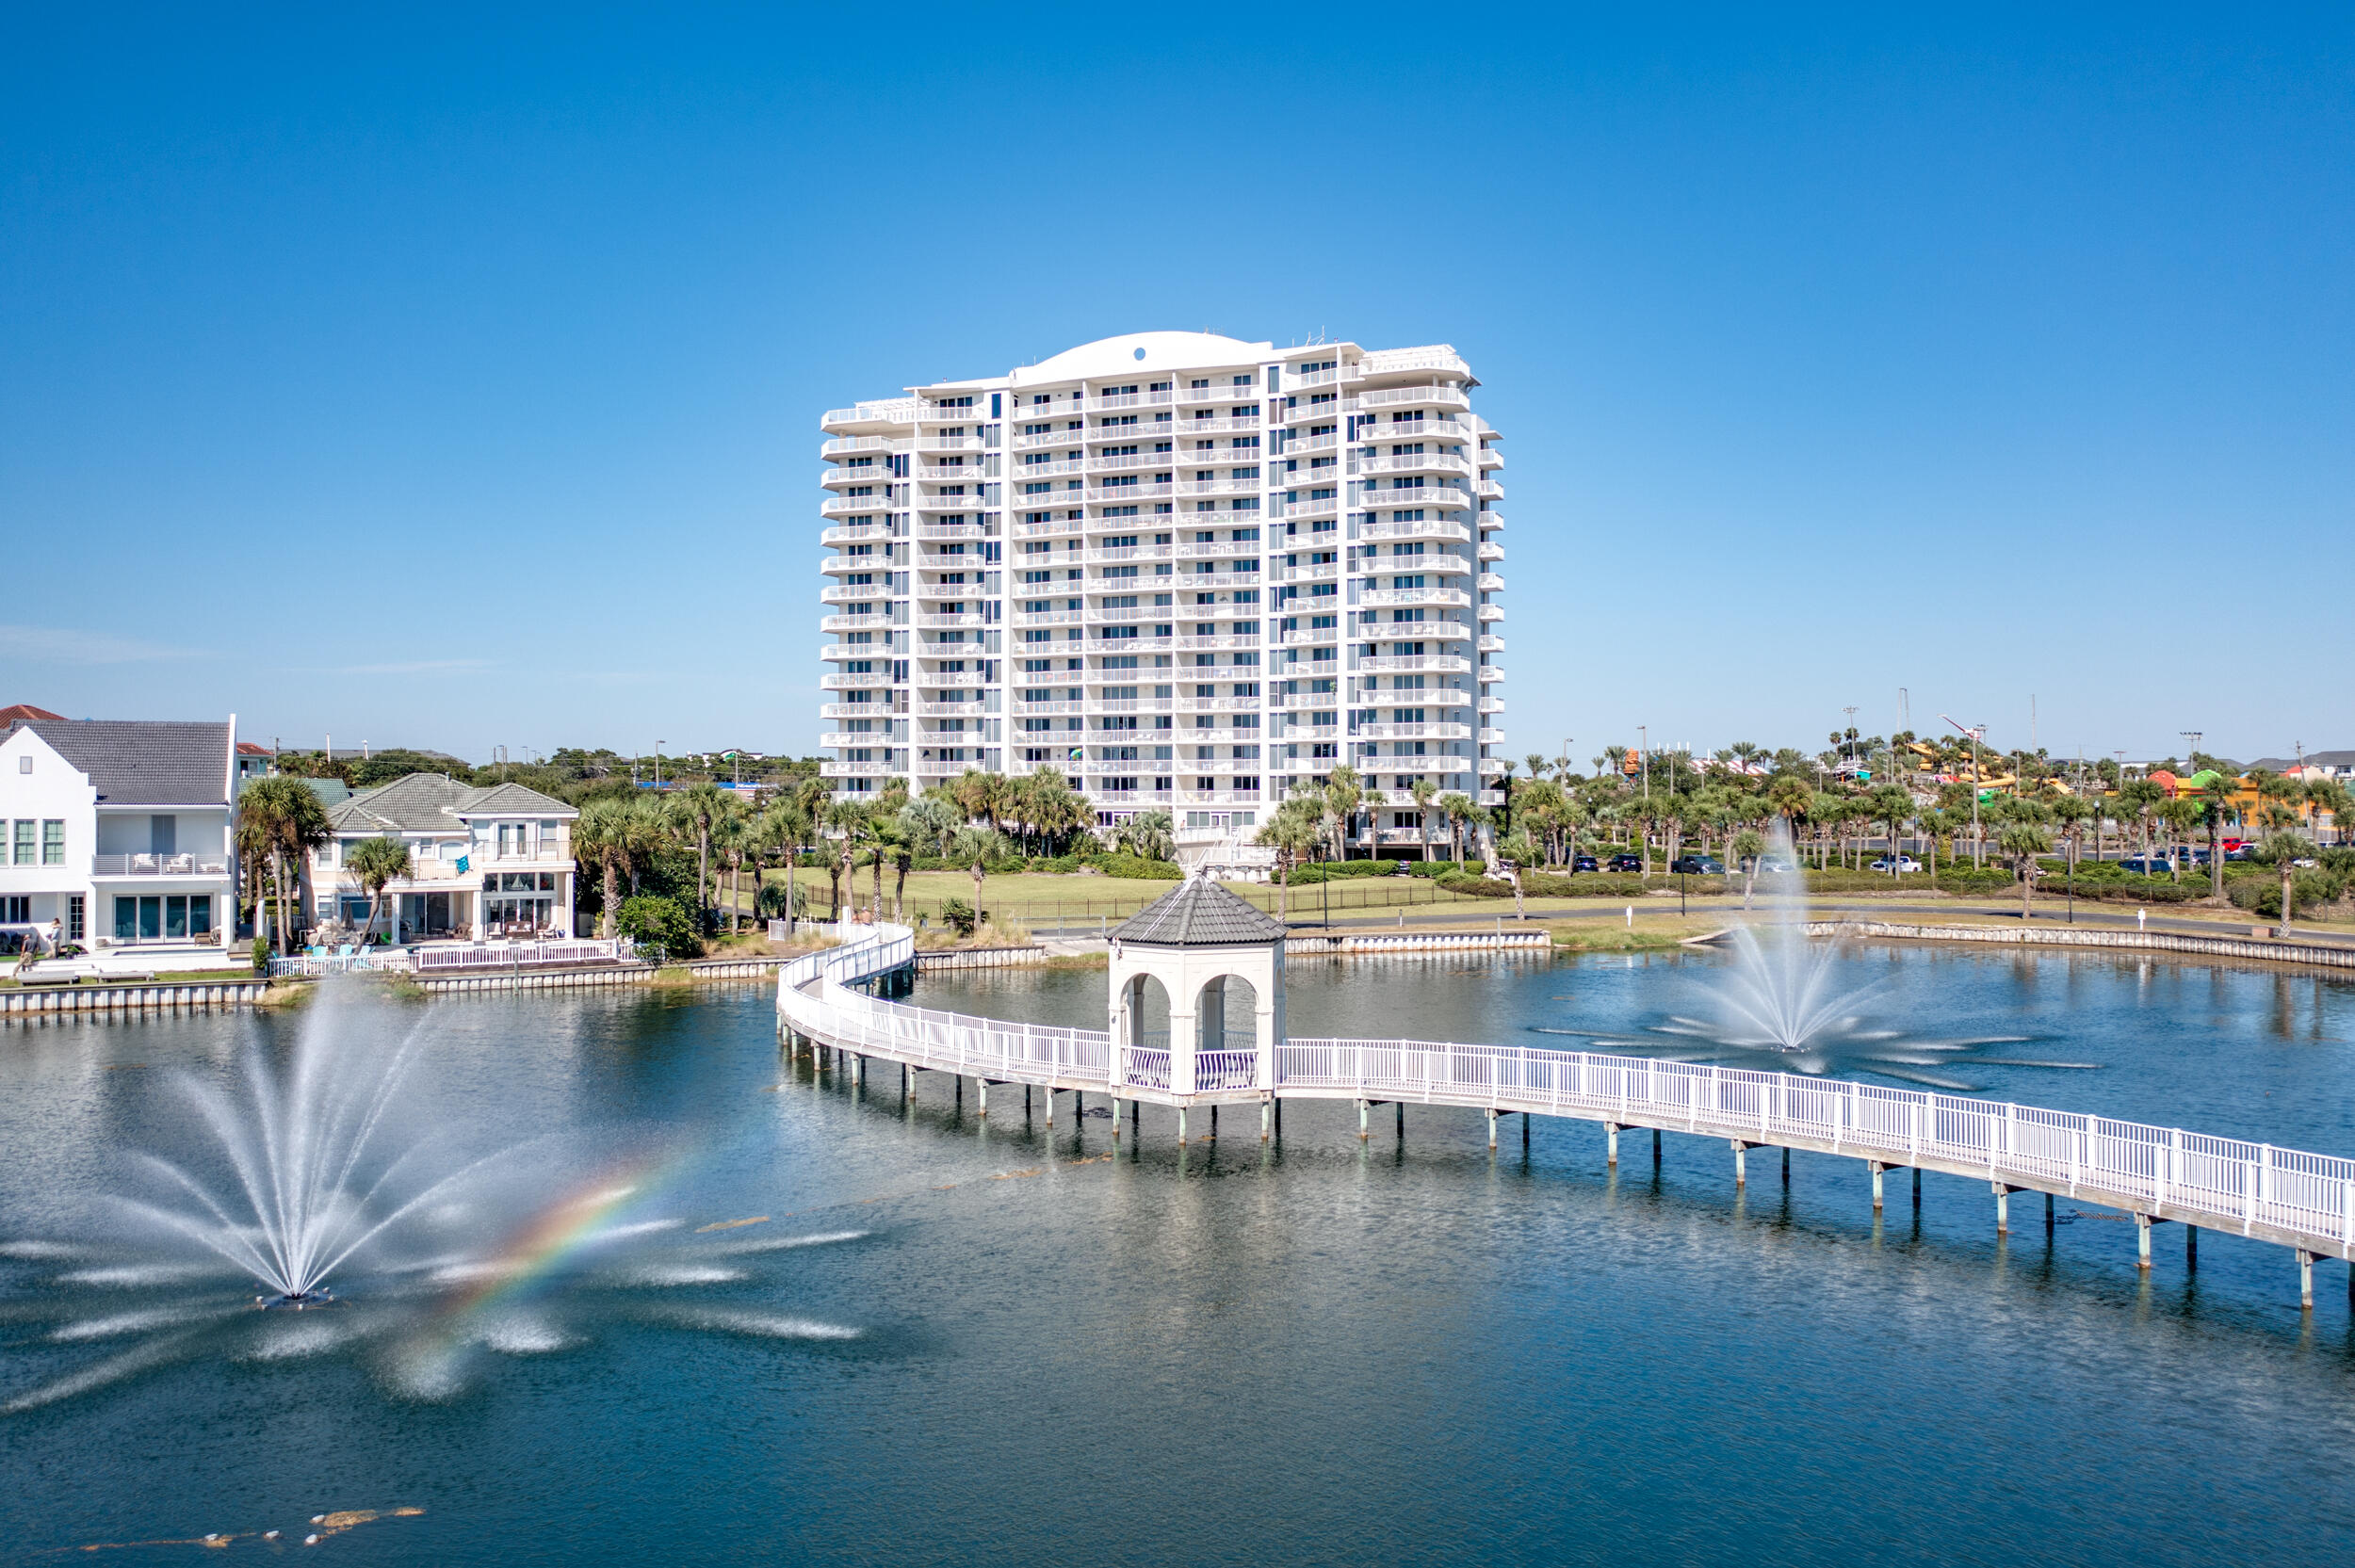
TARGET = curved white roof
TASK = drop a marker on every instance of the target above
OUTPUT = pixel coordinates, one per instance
(1143, 352)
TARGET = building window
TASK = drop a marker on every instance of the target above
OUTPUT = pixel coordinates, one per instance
(24, 829)
(74, 921)
(52, 843)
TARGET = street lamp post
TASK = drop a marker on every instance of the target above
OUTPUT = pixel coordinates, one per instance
(657, 763)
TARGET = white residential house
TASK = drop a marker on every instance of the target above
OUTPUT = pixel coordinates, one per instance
(489, 861)
(119, 830)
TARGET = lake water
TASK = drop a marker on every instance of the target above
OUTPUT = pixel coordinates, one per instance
(999, 1347)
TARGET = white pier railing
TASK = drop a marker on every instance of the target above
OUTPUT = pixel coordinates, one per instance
(2284, 1195)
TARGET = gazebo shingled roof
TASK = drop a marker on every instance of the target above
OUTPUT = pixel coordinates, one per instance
(1198, 914)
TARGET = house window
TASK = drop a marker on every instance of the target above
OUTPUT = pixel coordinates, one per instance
(16, 909)
(24, 829)
(74, 920)
(52, 843)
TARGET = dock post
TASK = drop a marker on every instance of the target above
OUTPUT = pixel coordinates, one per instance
(2003, 1208)
(1266, 1108)
(1655, 1150)
(983, 1085)
(1492, 1129)
(1026, 1100)
(1402, 1120)
(960, 1081)
(2142, 1241)
(2305, 1279)
(1917, 1189)
(1362, 1107)
(2191, 1248)
(2048, 1216)
(1741, 1163)
(1524, 1131)
(1050, 1105)
(1181, 1126)
(1786, 1165)
(1876, 1168)
(1611, 1131)
(1115, 1118)
(1214, 1120)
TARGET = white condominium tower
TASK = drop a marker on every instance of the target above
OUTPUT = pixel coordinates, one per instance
(1185, 571)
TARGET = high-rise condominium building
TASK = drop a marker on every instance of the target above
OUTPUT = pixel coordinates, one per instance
(1185, 571)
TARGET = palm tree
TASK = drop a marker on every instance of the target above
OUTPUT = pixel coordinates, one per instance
(699, 806)
(2284, 849)
(1152, 834)
(1343, 793)
(651, 830)
(279, 819)
(1891, 804)
(602, 834)
(1512, 855)
(2214, 810)
(732, 839)
(2026, 836)
(973, 845)
(2142, 798)
(845, 820)
(375, 861)
(1293, 831)
(1747, 846)
(783, 827)
(1457, 807)
(1425, 792)
(2332, 796)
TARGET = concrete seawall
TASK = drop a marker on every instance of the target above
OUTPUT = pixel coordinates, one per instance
(2265, 950)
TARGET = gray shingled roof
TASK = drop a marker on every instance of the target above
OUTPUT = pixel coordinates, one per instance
(430, 803)
(138, 762)
(1198, 913)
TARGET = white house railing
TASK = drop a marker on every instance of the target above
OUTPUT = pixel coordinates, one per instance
(159, 865)
(2225, 1182)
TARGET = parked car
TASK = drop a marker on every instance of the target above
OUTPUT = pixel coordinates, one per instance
(1902, 864)
(2149, 866)
(1698, 866)
(1768, 864)
(1627, 863)
(1585, 863)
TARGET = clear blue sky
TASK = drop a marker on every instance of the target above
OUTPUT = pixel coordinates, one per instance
(435, 380)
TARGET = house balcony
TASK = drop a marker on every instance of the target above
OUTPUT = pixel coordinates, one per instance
(192, 864)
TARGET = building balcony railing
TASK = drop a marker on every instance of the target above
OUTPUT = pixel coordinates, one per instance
(1455, 598)
(1490, 704)
(1328, 412)
(850, 533)
(1491, 552)
(1322, 507)
(873, 473)
(970, 501)
(855, 710)
(1415, 463)
(1490, 672)
(1443, 498)
(1054, 526)
(950, 530)
(948, 444)
(1217, 549)
(1490, 583)
(872, 681)
(1049, 618)
(1114, 495)
(881, 411)
(829, 768)
(1491, 612)
(1492, 737)
(1488, 490)
(943, 621)
(1491, 644)
(1205, 423)
(955, 710)
(947, 678)
(1422, 664)
(1111, 402)
(1119, 462)
(843, 445)
(1219, 487)
(1225, 639)
(1218, 391)
(874, 620)
(853, 594)
(1123, 705)
(159, 865)
(850, 506)
(952, 474)
(1322, 572)
(1488, 520)
(1031, 442)
(838, 740)
(1413, 731)
(1054, 468)
(1114, 554)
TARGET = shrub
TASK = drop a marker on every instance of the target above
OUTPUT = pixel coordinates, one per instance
(1139, 868)
(1442, 868)
(261, 955)
(661, 922)
(959, 915)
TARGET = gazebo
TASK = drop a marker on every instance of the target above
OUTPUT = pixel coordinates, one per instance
(1192, 944)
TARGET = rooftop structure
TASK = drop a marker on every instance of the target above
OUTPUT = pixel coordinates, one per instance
(1186, 571)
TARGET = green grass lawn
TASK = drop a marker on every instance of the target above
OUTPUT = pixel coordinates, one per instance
(1038, 900)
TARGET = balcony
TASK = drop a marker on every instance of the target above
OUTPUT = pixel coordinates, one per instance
(1491, 612)
(1053, 468)
(970, 501)
(1417, 463)
(159, 865)
(1219, 487)
(1445, 498)
(1324, 572)
(1232, 640)
(883, 411)
(954, 710)
(1315, 413)
(1488, 520)
(1455, 533)
(873, 621)
(1491, 644)
(1047, 710)
(835, 651)
(1112, 462)
(936, 678)
(874, 474)
(1324, 377)
(1491, 704)
(1415, 664)
(1219, 796)
(1491, 738)
(1206, 423)
(950, 530)
(952, 474)
(851, 533)
(1325, 442)
(1454, 598)
(1219, 391)
(872, 681)
(1048, 439)
(1114, 555)
(1114, 402)
(1490, 583)
(948, 444)
(1490, 672)
(1122, 705)
(1490, 490)
(843, 739)
(945, 622)
(1433, 731)
(1114, 495)
(1491, 552)
(835, 565)
(855, 710)
(848, 506)
(844, 445)
(1048, 618)
(1218, 705)
(853, 594)
(830, 769)
(1435, 358)
(1327, 507)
